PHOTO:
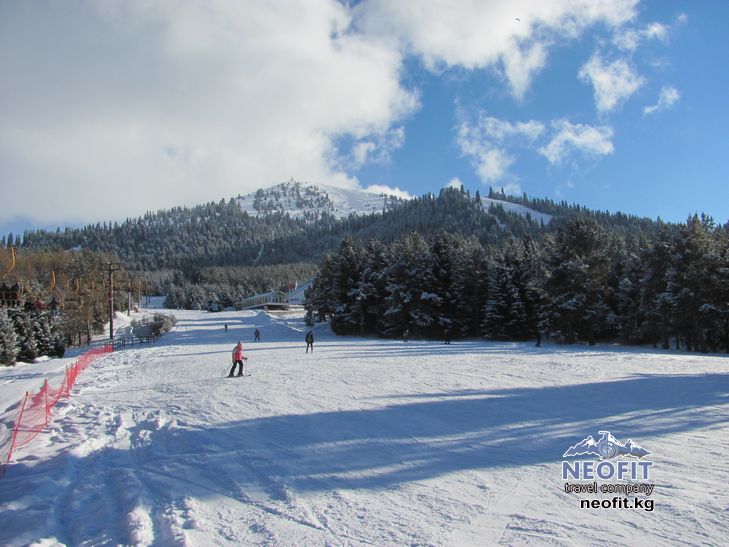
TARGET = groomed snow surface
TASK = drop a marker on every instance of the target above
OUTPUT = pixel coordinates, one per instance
(364, 442)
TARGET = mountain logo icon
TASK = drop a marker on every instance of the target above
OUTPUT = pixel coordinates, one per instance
(606, 448)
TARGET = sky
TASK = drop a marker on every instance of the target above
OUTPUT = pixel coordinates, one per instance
(110, 109)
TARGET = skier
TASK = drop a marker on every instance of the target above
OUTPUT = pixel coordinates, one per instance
(257, 336)
(226, 327)
(447, 336)
(310, 341)
(238, 359)
(406, 335)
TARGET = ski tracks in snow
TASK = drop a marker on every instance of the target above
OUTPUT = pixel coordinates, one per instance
(126, 506)
(367, 442)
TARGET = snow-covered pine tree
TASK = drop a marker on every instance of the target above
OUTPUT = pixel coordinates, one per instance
(695, 284)
(468, 285)
(656, 299)
(444, 250)
(575, 288)
(373, 286)
(8, 339)
(348, 316)
(511, 310)
(43, 333)
(320, 302)
(421, 286)
(27, 347)
(400, 297)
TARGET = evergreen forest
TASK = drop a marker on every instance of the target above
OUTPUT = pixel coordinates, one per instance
(451, 264)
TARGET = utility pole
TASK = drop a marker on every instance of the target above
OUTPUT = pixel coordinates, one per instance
(113, 267)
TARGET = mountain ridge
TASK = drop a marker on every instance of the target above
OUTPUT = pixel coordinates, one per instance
(294, 222)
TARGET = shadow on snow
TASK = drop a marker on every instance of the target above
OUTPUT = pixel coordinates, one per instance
(421, 439)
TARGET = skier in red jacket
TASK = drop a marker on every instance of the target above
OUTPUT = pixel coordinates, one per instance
(238, 359)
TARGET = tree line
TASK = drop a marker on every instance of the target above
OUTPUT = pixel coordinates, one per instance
(27, 334)
(53, 299)
(579, 281)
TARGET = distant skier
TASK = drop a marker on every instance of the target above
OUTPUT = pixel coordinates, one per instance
(310, 341)
(447, 336)
(226, 327)
(406, 335)
(257, 336)
(238, 359)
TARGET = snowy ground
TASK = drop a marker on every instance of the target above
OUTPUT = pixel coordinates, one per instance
(365, 442)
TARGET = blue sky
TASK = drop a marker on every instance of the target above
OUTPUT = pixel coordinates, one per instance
(668, 162)
(112, 109)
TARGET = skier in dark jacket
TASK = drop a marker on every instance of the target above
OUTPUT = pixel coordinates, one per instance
(310, 341)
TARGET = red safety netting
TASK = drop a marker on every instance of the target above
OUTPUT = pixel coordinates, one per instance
(35, 409)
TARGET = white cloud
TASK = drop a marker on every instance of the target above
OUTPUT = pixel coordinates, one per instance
(667, 97)
(389, 190)
(377, 148)
(510, 37)
(116, 107)
(455, 182)
(630, 38)
(613, 83)
(120, 106)
(490, 144)
(492, 164)
(362, 150)
(485, 143)
(568, 138)
(521, 64)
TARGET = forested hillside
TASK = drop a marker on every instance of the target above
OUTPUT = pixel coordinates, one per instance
(487, 265)
(580, 280)
(222, 234)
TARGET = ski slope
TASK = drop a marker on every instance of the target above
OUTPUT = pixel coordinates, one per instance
(364, 442)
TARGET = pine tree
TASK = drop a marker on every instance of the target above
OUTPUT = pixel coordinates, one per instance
(348, 316)
(28, 349)
(420, 286)
(577, 282)
(512, 309)
(656, 298)
(8, 340)
(373, 286)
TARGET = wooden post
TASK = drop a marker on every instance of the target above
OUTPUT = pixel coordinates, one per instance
(112, 268)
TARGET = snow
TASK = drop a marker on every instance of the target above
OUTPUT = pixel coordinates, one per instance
(364, 442)
(341, 203)
(516, 208)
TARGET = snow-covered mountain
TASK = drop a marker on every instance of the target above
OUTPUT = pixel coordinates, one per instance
(305, 200)
(302, 200)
